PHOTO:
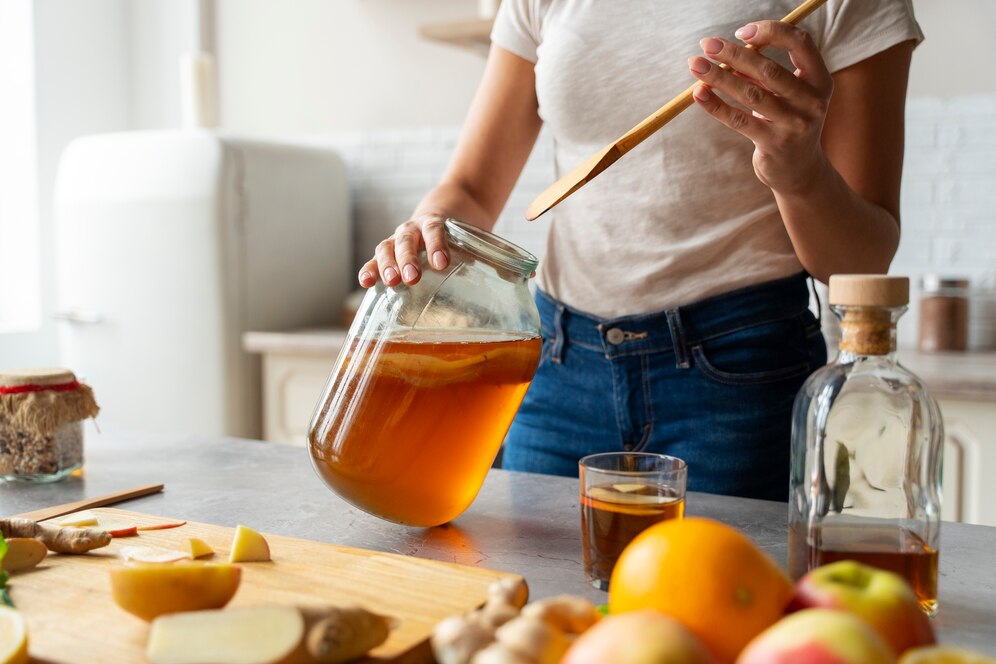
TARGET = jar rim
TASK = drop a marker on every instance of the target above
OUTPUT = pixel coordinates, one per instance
(491, 246)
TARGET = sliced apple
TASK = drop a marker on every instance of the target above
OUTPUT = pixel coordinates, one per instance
(23, 553)
(78, 519)
(199, 548)
(149, 591)
(254, 635)
(163, 526)
(248, 546)
(118, 528)
(152, 554)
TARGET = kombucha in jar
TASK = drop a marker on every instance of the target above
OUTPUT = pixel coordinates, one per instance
(428, 383)
(417, 448)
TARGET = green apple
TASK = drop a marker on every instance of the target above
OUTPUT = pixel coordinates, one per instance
(883, 599)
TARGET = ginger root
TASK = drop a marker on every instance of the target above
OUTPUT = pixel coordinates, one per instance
(534, 640)
(568, 613)
(496, 653)
(56, 538)
(506, 630)
(511, 590)
(457, 638)
(342, 634)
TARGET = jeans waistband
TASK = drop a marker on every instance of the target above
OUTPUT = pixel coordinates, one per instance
(675, 329)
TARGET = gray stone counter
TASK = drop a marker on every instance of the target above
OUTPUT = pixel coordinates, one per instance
(528, 524)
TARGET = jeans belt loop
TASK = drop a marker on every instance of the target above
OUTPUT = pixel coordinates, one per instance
(559, 332)
(678, 338)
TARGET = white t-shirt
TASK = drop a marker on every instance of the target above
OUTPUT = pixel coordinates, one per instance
(682, 216)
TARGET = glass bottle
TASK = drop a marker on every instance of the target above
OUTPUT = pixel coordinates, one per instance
(867, 440)
(428, 382)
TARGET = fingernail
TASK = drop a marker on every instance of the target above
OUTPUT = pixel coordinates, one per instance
(365, 277)
(699, 65)
(702, 93)
(438, 259)
(746, 32)
(411, 274)
(390, 274)
(711, 45)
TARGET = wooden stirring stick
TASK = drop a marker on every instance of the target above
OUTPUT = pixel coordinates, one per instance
(87, 503)
(600, 161)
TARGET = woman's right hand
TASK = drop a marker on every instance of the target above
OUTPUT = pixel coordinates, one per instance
(396, 258)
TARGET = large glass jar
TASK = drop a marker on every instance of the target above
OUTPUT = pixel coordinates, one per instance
(428, 382)
(867, 440)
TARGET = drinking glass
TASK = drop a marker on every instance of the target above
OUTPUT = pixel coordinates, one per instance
(622, 493)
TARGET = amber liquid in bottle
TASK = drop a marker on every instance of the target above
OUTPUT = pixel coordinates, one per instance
(415, 448)
(611, 518)
(901, 552)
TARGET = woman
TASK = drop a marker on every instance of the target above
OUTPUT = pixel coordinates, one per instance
(673, 292)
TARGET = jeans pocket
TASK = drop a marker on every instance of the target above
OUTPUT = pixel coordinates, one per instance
(546, 351)
(765, 353)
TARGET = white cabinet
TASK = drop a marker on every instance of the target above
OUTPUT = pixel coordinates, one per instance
(969, 461)
(296, 367)
(965, 387)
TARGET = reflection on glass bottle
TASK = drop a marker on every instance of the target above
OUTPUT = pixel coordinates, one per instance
(866, 448)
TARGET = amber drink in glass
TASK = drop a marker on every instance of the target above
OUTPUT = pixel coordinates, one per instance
(622, 494)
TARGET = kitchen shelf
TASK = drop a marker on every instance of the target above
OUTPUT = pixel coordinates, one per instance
(474, 34)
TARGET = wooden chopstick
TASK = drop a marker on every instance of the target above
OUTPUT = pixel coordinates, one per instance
(87, 503)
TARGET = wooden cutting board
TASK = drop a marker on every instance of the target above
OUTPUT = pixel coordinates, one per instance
(72, 618)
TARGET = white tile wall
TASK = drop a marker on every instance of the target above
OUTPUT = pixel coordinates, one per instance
(390, 171)
(948, 200)
(949, 205)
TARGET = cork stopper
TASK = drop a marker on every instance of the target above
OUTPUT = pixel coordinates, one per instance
(869, 290)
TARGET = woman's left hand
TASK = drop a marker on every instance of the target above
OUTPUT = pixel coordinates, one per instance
(784, 110)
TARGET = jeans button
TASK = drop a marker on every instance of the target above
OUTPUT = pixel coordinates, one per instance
(615, 336)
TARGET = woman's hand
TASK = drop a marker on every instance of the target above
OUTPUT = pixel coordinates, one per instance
(785, 110)
(396, 258)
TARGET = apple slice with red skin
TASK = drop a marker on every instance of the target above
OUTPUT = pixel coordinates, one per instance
(163, 526)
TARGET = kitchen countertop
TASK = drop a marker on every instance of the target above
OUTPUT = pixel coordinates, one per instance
(965, 375)
(523, 523)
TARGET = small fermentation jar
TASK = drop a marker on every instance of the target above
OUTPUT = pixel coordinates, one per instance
(41, 423)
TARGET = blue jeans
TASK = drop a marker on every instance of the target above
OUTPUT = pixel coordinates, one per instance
(712, 383)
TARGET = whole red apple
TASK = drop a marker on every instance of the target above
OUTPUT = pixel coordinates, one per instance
(818, 636)
(638, 637)
(883, 599)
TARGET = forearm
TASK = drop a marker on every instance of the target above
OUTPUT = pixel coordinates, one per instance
(453, 200)
(836, 231)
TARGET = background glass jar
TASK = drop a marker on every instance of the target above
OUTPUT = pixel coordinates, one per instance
(943, 314)
(41, 423)
(428, 382)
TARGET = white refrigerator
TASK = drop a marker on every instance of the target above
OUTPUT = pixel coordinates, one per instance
(171, 244)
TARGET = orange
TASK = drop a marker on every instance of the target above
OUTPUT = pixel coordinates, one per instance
(708, 576)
